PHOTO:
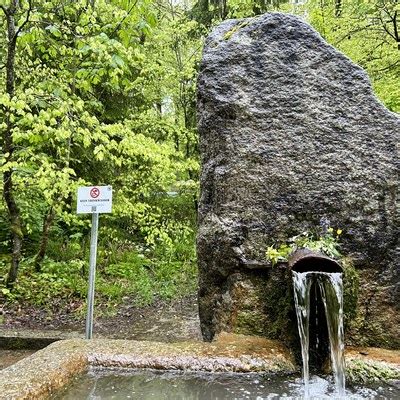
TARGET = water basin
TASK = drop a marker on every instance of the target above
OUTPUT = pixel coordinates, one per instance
(151, 384)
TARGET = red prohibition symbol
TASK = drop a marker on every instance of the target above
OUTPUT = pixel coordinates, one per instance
(94, 193)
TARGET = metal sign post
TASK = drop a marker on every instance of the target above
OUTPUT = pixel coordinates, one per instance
(93, 200)
(92, 273)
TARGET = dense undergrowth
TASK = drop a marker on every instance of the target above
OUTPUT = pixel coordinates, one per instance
(133, 265)
(125, 270)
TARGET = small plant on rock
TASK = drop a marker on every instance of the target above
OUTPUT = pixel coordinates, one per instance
(327, 243)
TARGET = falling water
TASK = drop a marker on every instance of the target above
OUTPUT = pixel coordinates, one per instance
(331, 287)
(302, 285)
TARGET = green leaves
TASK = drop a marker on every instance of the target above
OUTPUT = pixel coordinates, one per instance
(54, 30)
(327, 243)
(366, 31)
(280, 254)
(105, 96)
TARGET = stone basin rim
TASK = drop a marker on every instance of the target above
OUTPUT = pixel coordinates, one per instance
(49, 370)
(52, 368)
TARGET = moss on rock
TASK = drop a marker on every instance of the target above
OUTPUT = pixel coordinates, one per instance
(250, 323)
(236, 28)
(351, 283)
(360, 371)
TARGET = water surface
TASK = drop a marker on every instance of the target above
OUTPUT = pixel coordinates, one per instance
(161, 385)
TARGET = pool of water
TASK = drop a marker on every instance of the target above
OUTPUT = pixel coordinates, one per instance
(160, 385)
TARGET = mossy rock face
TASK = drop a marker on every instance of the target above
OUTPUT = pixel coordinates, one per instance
(374, 320)
(351, 285)
(251, 322)
(259, 303)
(266, 308)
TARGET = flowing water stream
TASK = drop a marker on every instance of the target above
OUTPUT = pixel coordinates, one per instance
(331, 288)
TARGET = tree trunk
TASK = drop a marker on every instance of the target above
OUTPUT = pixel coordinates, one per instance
(48, 220)
(338, 8)
(8, 146)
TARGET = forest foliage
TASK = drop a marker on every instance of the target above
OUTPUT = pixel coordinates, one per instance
(103, 92)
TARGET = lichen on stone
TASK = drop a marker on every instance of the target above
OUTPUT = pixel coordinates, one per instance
(235, 29)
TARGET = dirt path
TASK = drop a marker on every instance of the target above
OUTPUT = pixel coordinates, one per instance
(164, 322)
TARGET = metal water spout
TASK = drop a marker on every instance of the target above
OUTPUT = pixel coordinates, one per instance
(305, 260)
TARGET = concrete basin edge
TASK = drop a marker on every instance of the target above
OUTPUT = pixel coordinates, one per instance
(45, 372)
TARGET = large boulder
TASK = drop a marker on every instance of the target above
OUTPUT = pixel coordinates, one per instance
(292, 138)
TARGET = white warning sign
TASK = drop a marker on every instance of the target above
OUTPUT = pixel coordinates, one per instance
(94, 199)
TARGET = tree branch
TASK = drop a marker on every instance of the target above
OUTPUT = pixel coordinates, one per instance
(5, 10)
(385, 28)
(389, 67)
(350, 33)
(395, 29)
(123, 19)
(28, 14)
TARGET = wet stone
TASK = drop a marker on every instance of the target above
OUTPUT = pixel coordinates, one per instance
(292, 139)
